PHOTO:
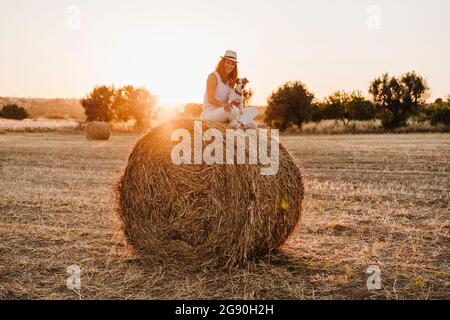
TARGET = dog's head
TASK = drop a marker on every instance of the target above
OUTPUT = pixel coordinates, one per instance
(240, 84)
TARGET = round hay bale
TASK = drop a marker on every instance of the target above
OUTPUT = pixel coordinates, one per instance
(98, 130)
(211, 214)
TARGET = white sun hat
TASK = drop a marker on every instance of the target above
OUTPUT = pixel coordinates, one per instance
(230, 55)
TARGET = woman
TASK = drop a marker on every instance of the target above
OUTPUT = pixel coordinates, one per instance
(218, 88)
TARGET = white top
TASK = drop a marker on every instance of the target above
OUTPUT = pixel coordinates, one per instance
(222, 92)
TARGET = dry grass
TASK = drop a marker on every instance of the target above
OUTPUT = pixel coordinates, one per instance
(371, 199)
(366, 127)
(37, 125)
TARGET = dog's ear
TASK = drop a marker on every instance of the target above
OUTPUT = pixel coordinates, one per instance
(245, 81)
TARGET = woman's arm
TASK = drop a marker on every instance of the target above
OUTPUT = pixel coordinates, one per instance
(211, 85)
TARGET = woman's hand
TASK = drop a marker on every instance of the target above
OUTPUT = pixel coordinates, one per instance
(235, 103)
(227, 107)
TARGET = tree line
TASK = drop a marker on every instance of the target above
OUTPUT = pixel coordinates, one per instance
(108, 103)
(393, 101)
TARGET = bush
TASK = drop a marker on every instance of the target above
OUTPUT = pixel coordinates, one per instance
(441, 113)
(13, 111)
(317, 113)
(347, 107)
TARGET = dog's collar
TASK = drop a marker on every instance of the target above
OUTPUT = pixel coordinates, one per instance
(238, 92)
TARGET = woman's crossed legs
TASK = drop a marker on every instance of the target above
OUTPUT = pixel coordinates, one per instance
(220, 115)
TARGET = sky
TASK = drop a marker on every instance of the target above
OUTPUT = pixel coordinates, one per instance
(62, 48)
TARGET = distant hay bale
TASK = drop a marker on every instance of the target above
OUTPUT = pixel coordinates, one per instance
(214, 215)
(98, 131)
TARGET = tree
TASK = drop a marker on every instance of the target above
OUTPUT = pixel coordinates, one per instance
(248, 94)
(347, 107)
(317, 113)
(98, 105)
(397, 98)
(13, 111)
(135, 103)
(441, 113)
(290, 104)
(439, 101)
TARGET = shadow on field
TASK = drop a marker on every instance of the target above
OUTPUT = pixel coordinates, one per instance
(281, 274)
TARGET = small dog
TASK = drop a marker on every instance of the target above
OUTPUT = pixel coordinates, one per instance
(236, 98)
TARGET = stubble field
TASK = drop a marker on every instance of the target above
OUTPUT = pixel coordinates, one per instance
(380, 200)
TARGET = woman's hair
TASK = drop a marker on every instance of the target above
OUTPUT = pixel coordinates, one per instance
(232, 77)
